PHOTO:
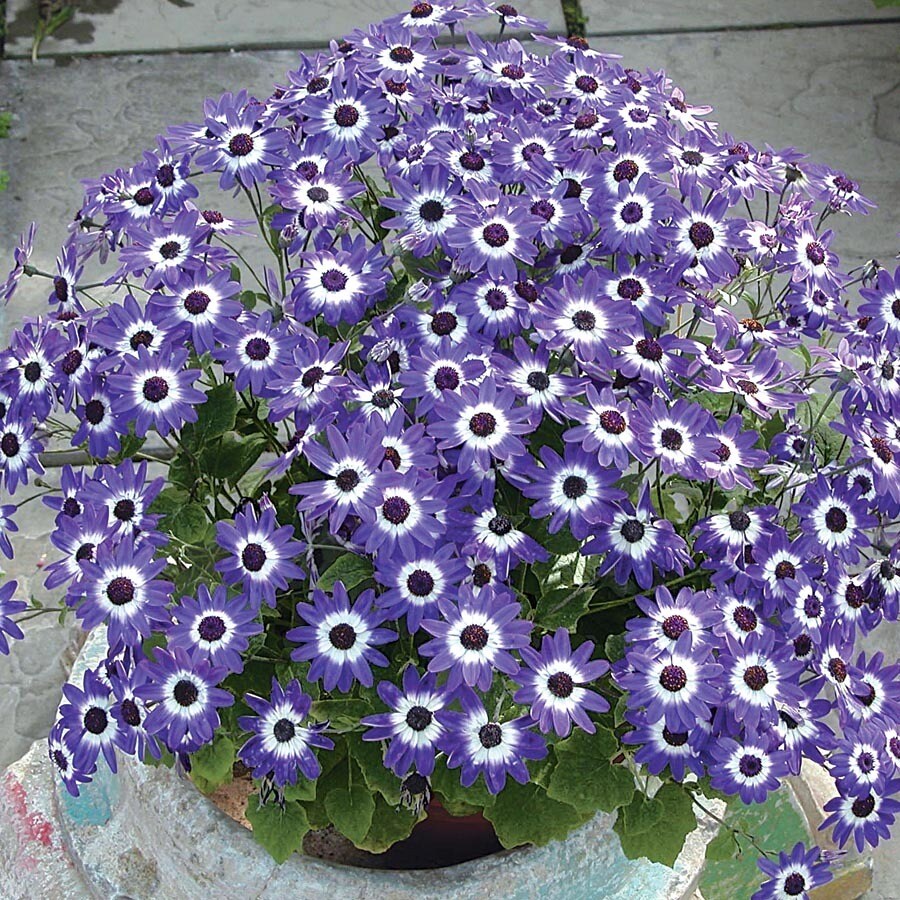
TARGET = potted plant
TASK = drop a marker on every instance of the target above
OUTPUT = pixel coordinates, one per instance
(471, 425)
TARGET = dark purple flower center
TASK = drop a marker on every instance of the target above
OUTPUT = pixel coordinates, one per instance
(120, 591)
(481, 575)
(257, 349)
(584, 122)
(253, 557)
(71, 507)
(894, 747)
(124, 509)
(312, 376)
(240, 145)
(612, 421)
(785, 569)
(141, 338)
(756, 678)
(283, 731)
(211, 628)
(639, 114)
(701, 235)
(170, 249)
(421, 11)
(316, 85)
(185, 692)
(560, 684)
(420, 583)
(674, 626)
(96, 720)
(587, 84)
(745, 619)
(794, 884)
(495, 234)
(543, 209)
(61, 288)
(855, 596)
(419, 718)
(483, 424)
(383, 399)
(882, 450)
(346, 115)
(317, 194)
(165, 175)
(401, 54)
(630, 289)
(59, 758)
(692, 158)
(815, 253)
(334, 280)
(750, 766)
(472, 161)
(574, 487)
(9, 444)
(649, 349)
(443, 323)
(529, 151)
(156, 389)
(396, 510)
(868, 698)
(143, 196)
(625, 170)
(747, 386)
(632, 530)
(500, 525)
(674, 738)
(490, 735)
(446, 378)
(673, 678)
(346, 480)
(32, 371)
(130, 713)
(513, 72)
(671, 439)
(527, 290)
(584, 320)
(432, 211)
(196, 302)
(85, 552)
(213, 217)
(474, 637)
(836, 519)
(538, 381)
(866, 762)
(812, 607)
(632, 212)
(72, 361)
(342, 636)
(570, 254)
(863, 807)
(723, 452)
(739, 520)
(802, 646)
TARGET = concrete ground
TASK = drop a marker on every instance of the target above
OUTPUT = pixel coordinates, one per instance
(820, 75)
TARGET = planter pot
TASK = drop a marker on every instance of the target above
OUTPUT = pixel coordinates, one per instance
(148, 834)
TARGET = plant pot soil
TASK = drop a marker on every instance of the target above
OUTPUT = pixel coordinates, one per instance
(439, 840)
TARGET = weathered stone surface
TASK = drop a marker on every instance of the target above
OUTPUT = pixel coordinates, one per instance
(111, 26)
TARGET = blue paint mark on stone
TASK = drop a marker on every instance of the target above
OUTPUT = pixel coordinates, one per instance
(95, 804)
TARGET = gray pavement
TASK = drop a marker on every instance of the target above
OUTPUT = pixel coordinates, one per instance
(771, 69)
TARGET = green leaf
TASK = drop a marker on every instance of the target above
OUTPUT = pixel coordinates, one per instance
(389, 825)
(459, 800)
(248, 299)
(723, 846)
(304, 789)
(217, 415)
(560, 609)
(280, 832)
(232, 458)
(585, 777)
(656, 828)
(349, 569)
(614, 647)
(525, 814)
(350, 810)
(369, 756)
(343, 714)
(169, 500)
(190, 523)
(213, 762)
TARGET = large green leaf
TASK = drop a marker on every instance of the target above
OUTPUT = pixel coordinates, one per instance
(350, 810)
(216, 416)
(281, 832)
(212, 764)
(189, 523)
(232, 456)
(524, 814)
(459, 800)
(561, 608)
(585, 777)
(369, 756)
(389, 825)
(656, 828)
(349, 569)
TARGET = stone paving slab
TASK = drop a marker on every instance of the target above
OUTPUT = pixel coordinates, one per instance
(158, 26)
(615, 17)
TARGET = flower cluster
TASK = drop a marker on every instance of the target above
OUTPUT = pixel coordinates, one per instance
(523, 342)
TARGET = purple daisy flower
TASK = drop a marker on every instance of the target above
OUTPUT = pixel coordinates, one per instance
(214, 627)
(8, 608)
(184, 698)
(607, 430)
(749, 770)
(165, 249)
(867, 819)
(793, 875)
(98, 425)
(411, 727)
(340, 639)
(85, 716)
(473, 638)
(260, 554)
(126, 494)
(19, 452)
(860, 763)
(62, 757)
(426, 212)
(283, 742)
(21, 255)
(661, 747)
(130, 713)
(251, 349)
(155, 391)
(554, 684)
(676, 436)
(493, 749)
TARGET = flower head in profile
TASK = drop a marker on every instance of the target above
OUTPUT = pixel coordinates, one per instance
(793, 874)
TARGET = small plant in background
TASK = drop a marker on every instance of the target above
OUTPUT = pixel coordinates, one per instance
(479, 423)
